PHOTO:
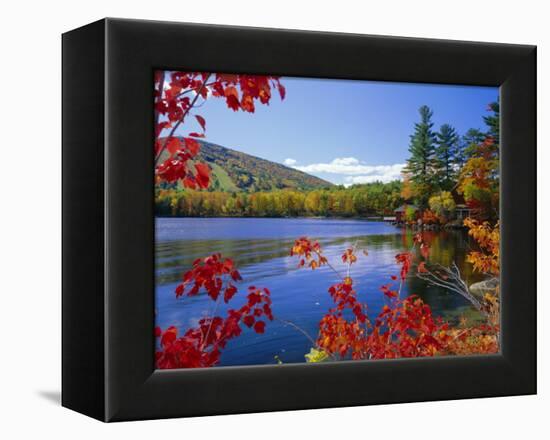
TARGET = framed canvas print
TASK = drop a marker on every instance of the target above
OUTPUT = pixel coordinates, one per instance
(318, 220)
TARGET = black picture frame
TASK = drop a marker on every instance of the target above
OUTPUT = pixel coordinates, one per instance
(108, 261)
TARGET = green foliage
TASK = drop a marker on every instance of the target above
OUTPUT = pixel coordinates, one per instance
(220, 180)
(493, 121)
(445, 161)
(446, 151)
(410, 213)
(479, 179)
(421, 163)
(470, 141)
(443, 204)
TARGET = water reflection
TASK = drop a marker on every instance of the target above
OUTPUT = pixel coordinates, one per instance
(301, 295)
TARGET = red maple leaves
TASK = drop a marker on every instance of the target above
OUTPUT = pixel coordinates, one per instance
(211, 274)
(403, 328)
(177, 96)
(201, 346)
(406, 329)
(405, 260)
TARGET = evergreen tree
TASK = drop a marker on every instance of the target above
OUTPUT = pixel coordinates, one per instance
(471, 139)
(447, 148)
(493, 121)
(420, 165)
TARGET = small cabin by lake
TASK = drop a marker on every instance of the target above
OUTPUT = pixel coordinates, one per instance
(461, 212)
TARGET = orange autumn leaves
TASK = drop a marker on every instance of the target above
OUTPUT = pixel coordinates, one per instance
(486, 260)
(488, 238)
(479, 181)
(308, 252)
(349, 256)
(178, 95)
(404, 327)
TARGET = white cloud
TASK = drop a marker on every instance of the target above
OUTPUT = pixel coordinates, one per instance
(386, 177)
(345, 161)
(356, 171)
(289, 162)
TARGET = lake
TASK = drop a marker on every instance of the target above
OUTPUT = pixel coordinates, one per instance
(260, 248)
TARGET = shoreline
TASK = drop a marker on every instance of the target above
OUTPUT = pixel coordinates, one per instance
(370, 219)
(400, 225)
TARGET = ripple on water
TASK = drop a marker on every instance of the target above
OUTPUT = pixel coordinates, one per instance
(260, 248)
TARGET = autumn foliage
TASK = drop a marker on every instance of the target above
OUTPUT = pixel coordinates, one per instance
(479, 181)
(308, 252)
(178, 96)
(429, 217)
(201, 346)
(486, 260)
(405, 327)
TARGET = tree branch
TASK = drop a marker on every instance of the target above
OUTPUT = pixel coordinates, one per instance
(182, 118)
(456, 284)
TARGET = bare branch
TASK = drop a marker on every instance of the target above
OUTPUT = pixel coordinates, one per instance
(452, 280)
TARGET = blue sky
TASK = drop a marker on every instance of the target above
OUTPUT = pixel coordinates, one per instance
(341, 130)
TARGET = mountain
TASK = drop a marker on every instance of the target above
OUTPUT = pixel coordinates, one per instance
(236, 171)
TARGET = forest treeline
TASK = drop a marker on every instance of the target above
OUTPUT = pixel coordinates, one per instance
(444, 167)
(371, 199)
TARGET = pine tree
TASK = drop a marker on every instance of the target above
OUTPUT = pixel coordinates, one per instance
(471, 139)
(420, 165)
(446, 151)
(493, 121)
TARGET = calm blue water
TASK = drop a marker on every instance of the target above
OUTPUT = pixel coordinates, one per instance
(260, 248)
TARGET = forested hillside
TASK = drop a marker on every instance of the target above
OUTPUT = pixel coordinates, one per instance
(234, 171)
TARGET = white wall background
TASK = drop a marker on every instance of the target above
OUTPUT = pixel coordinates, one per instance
(30, 90)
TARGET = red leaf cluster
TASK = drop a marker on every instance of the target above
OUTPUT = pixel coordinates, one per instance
(404, 259)
(258, 305)
(337, 333)
(201, 346)
(403, 328)
(209, 274)
(407, 329)
(176, 167)
(177, 96)
(388, 292)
